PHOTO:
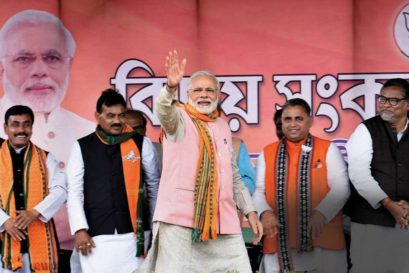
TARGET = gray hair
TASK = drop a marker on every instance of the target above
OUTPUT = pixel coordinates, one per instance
(202, 73)
(35, 17)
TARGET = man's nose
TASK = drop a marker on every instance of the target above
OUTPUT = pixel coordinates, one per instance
(291, 122)
(20, 128)
(39, 68)
(118, 119)
(203, 94)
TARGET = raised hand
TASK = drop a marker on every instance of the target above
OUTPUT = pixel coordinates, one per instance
(175, 70)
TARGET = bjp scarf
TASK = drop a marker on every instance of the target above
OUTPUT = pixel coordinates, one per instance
(205, 206)
(41, 242)
(131, 164)
(303, 203)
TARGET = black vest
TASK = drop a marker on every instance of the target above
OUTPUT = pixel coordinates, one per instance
(105, 199)
(389, 167)
(18, 189)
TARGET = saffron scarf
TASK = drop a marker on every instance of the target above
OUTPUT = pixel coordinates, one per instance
(303, 203)
(205, 206)
(131, 164)
(41, 242)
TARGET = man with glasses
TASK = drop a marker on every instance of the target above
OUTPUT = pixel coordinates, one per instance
(196, 226)
(378, 157)
(36, 53)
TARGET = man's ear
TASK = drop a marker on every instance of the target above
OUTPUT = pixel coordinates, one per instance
(96, 115)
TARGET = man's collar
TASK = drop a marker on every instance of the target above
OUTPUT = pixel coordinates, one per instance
(18, 150)
(406, 126)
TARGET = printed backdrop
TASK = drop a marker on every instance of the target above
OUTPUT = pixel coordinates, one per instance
(334, 54)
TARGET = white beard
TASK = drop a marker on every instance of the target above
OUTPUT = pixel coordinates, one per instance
(39, 104)
(387, 117)
(206, 110)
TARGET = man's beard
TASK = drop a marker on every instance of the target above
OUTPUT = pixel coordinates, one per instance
(38, 103)
(387, 117)
(204, 109)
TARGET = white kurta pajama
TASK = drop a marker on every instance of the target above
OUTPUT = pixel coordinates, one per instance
(113, 252)
(47, 208)
(328, 261)
(172, 248)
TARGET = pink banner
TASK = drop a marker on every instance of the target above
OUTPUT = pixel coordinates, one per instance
(334, 54)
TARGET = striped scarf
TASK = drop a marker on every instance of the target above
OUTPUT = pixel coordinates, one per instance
(42, 248)
(303, 203)
(131, 160)
(205, 207)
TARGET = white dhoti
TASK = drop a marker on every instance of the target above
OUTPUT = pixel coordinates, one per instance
(112, 253)
(173, 251)
(319, 260)
(379, 249)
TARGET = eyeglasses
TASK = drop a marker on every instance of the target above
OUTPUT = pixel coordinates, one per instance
(208, 91)
(52, 60)
(392, 101)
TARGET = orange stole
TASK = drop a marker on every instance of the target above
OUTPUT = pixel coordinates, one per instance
(332, 236)
(131, 166)
(207, 197)
(41, 238)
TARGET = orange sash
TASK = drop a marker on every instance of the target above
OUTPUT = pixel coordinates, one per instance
(131, 164)
(41, 238)
(206, 206)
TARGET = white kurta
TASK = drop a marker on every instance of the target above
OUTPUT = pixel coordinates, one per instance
(123, 245)
(375, 249)
(331, 261)
(48, 207)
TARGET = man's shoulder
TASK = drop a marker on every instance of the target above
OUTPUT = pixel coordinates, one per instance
(322, 143)
(375, 125)
(374, 120)
(87, 138)
(272, 144)
(270, 148)
(41, 150)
